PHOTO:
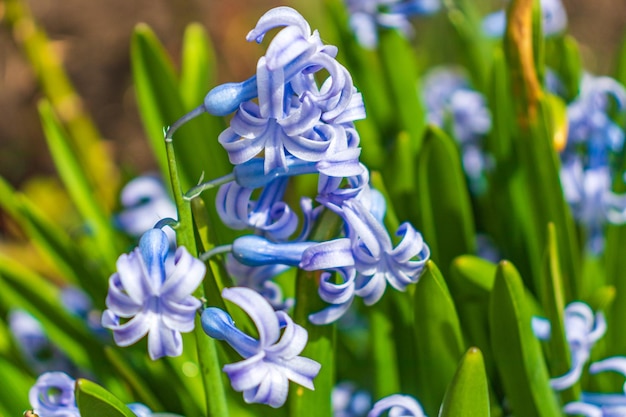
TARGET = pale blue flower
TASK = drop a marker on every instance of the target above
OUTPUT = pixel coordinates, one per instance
(588, 193)
(39, 352)
(398, 406)
(53, 396)
(591, 130)
(367, 15)
(145, 201)
(149, 295)
(368, 248)
(582, 330)
(348, 401)
(602, 404)
(269, 215)
(269, 362)
(554, 20)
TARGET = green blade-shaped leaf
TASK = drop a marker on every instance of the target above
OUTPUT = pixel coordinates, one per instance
(446, 219)
(398, 61)
(554, 306)
(78, 187)
(198, 66)
(468, 393)
(516, 350)
(95, 401)
(439, 342)
(14, 392)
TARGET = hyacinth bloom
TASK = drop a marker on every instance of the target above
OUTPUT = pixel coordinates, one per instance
(582, 330)
(368, 248)
(53, 396)
(398, 405)
(347, 401)
(145, 201)
(554, 20)
(269, 362)
(601, 404)
(293, 116)
(151, 295)
(367, 15)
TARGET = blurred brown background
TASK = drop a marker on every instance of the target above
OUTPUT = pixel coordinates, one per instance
(93, 38)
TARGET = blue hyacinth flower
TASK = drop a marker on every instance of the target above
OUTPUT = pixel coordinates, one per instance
(150, 294)
(367, 15)
(53, 396)
(270, 361)
(398, 405)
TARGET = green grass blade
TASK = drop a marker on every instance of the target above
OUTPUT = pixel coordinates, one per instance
(99, 226)
(446, 218)
(468, 393)
(439, 342)
(95, 401)
(516, 350)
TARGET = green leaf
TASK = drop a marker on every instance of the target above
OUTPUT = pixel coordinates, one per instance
(516, 350)
(554, 307)
(439, 342)
(468, 393)
(78, 186)
(445, 213)
(198, 66)
(14, 392)
(400, 67)
(95, 401)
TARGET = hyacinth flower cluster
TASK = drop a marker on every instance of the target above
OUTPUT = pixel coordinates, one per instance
(366, 16)
(285, 124)
(588, 165)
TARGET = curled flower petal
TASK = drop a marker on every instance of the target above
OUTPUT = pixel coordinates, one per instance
(398, 405)
(53, 395)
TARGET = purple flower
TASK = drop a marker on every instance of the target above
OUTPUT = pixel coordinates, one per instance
(582, 331)
(602, 404)
(53, 396)
(269, 362)
(347, 401)
(269, 214)
(367, 15)
(368, 248)
(398, 406)
(151, 295)
(145, 201)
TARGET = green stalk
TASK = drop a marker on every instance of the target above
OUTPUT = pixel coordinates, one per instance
(207, 350)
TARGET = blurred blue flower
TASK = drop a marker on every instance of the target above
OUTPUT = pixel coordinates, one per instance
(554, 20)
(150, 294)
(582, 330)
(398, 406)
(454, 106)
(53, 396)
(594, 404)
(145, 201)
(367, 15)
(269, 362)
(347, 401)
(39, 352)
(591, 129)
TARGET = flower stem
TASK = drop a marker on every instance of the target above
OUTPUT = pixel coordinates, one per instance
(207, 351)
